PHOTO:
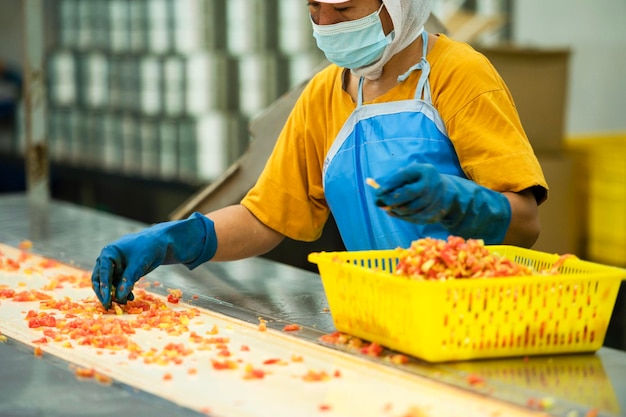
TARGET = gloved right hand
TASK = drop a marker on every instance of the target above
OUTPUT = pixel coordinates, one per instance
(122, 263)
(418, 193)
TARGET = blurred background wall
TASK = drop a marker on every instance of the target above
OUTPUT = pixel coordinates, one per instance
(596, 34)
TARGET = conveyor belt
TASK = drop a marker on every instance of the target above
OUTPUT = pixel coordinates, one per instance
(276, 374)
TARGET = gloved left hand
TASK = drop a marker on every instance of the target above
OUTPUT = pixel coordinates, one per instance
(418, 193)
(122, 263)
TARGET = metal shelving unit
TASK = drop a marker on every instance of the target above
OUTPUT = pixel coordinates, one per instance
(148, 100)
(165, 88)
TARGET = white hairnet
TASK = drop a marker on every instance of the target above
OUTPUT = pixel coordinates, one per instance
(408, 17)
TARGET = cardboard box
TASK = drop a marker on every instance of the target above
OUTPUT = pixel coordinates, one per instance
(538, 81)
(561, 216)
(466, 26)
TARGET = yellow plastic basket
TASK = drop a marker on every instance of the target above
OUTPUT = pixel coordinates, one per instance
(470, 319)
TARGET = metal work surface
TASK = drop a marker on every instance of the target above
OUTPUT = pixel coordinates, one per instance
(246, 290)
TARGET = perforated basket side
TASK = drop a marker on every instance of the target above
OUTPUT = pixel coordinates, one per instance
(364, 302)
(538, 315)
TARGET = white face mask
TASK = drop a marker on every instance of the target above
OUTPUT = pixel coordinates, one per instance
(354, 43)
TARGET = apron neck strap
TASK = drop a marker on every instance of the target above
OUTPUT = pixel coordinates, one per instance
(423, 86)
(359, 97)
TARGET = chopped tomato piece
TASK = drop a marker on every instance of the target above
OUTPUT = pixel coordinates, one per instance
(272, 361)
(85, 372)
(32, 295)
(224, 353)
(225, 364)
(25, 245)
(48, 263)
(316, 376)
(372, 349)
(399, 359)
(253, 373)
(475, 380)
(6, 293)
(103, 379)
(44, 320)
(174, 295)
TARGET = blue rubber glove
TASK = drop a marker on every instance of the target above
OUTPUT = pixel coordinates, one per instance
(418, 193)
(122, 263)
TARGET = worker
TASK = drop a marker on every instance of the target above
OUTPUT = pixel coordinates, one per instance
(425, 119)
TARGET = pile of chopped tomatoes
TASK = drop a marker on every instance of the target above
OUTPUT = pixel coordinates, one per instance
(457, 258)
(86, 323)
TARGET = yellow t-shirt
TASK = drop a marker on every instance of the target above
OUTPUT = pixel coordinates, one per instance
(473, 101)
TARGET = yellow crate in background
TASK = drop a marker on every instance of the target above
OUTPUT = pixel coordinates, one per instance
(470, 319)
(605, 163)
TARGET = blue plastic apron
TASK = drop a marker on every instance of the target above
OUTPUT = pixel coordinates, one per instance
(376, 140)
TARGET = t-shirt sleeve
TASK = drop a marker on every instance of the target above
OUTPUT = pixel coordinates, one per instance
(289, 196)
(485, 128)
